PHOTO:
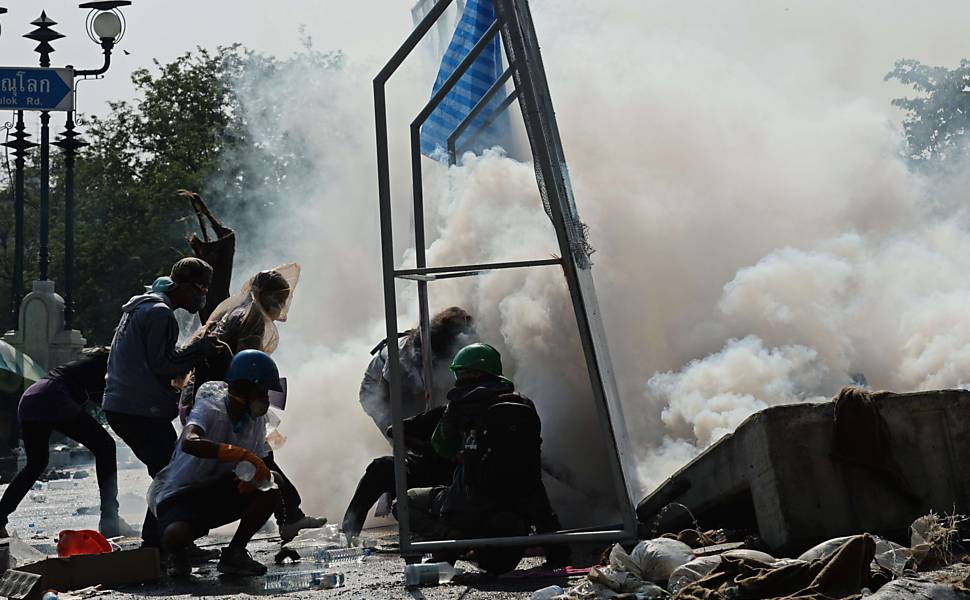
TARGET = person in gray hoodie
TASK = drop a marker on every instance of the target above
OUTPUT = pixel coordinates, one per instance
(139, 399)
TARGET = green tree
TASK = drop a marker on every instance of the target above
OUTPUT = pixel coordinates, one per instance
(937, 119)
(187, 128)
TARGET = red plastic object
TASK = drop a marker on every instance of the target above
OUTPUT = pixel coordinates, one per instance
(71, 542)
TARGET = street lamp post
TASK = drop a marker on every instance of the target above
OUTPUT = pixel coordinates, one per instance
(105, 25)
(44, 35)
(45, 90)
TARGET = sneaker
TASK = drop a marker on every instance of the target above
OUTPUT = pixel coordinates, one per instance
(200, 555)
(116, 527)
(179, 564)
(289, 531)
(237, 561)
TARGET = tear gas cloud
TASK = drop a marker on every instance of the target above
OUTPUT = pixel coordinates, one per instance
(758, 239)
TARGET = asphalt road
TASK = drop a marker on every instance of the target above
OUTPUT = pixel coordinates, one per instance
(73, 504)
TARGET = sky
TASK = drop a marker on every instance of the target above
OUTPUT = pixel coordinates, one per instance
(164, 29)
(369, 30)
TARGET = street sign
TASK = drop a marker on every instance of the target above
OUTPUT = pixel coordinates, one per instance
(23, 88)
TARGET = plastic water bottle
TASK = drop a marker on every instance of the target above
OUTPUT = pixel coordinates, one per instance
(31, 530)
(246, 471)
(38, 497)
(332, 556)
(428, 574)
(292, 581)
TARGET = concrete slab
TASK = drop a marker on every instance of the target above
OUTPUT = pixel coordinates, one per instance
(776, 474)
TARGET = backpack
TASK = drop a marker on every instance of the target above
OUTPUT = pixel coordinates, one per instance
(507, 464)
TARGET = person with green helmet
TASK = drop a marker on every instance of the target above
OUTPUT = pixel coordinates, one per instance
(478, 381)
(494, 435)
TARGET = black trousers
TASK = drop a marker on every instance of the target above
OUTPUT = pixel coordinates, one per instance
(84, 429)
(379, 479)
(153, 442)
(288, 510)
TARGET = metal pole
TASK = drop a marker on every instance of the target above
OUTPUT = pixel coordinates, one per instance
(69, 153)
(70, 143)
(45, 195)
(553, 178)
(417, 190)
(387, 263)
(20, 145)
(420, 261)
(480, 267)
(490, 118)
(390, 315)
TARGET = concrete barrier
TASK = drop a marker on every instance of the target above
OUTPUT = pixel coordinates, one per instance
(777, 475)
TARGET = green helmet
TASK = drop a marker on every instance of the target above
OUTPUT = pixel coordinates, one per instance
(480, 357)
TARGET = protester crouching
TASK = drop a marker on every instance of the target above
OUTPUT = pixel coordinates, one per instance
(247, 321)
(497, 491)
(198, 490)
(450, 329)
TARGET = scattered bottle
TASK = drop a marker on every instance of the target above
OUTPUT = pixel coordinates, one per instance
(292, 581)
(246, 471)
(332, 556)
(38, 497)
(428, 574)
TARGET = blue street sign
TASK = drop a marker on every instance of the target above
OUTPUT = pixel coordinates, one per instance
(23, 88)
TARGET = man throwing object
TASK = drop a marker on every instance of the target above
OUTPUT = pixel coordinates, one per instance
(198, 490)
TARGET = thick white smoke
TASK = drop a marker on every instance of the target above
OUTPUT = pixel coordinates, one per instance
(758, 239)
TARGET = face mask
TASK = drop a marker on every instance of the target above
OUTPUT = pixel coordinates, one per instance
(240, 425)
(198, 303)
(258, 408)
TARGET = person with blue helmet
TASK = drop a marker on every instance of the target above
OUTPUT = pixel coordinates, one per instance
(198, 490)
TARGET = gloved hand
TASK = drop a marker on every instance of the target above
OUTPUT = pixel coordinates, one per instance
(228, 453)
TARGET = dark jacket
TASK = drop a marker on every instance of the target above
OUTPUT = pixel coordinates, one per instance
(145, 357)
(465, 405)
(84, 378)
(475, 489)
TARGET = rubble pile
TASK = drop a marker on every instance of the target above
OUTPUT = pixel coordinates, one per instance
(847, 567)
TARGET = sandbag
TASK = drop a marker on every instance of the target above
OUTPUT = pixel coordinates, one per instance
(658, 558)
(889, 555)
(824, 549)
(754, 555)
(695, 570)
(617, 580)
(910, 589)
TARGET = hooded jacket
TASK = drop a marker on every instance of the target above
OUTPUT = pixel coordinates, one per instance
(145, 357)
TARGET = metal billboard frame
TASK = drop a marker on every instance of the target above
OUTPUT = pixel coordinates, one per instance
(514, 24)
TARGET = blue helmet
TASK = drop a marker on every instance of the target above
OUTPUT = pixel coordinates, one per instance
(255, 366)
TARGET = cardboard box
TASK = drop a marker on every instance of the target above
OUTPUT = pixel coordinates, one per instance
(125, 567)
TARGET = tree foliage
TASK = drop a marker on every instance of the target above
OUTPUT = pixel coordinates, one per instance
(186, 128)
(937, 121)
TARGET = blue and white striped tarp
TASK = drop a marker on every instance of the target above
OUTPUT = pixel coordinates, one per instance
(475, 20)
